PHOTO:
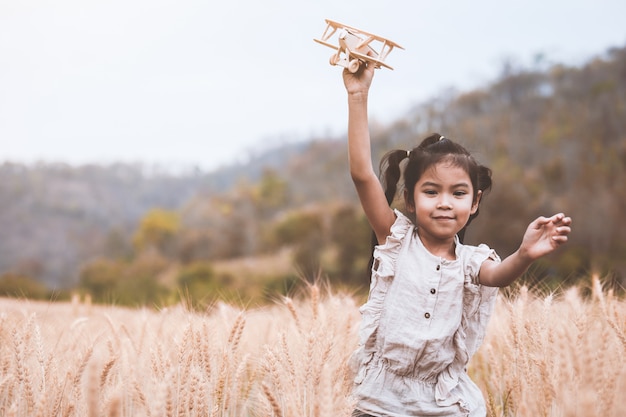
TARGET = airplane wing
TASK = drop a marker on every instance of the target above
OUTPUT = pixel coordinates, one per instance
(337, 25)
(367, 58)
(330, 45)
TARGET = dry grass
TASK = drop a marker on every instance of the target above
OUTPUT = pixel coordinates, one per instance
(555, 356)
(548, 356)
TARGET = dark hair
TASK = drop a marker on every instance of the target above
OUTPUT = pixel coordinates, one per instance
(434, 149)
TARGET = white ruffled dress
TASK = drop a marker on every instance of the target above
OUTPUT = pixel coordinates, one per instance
(424, 319)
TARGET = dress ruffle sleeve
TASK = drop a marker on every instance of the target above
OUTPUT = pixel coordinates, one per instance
(385, 255)
(480, 299)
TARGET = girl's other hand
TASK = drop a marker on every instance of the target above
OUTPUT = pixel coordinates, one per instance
(545, 234)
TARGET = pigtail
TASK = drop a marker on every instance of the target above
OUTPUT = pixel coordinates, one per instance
(484, 179)
(484, 183)
(390, 172)
(389, 175)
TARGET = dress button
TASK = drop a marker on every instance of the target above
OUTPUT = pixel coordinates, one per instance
(432, 290)
(438, 267)
(427, 315)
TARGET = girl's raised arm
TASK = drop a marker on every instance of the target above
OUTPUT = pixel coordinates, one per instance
(368, 187)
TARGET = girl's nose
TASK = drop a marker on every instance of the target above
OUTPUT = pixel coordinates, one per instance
(444, 203)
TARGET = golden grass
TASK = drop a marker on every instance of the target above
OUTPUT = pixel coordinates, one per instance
(543, 356)
(555, 356)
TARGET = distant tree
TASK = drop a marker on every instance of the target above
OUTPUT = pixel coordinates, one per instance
(101, 278)
(219, 226)
(305, 231)
(195, 244)
(142, 284)
(135, 283)
(296, 226)
(117, 244)
(157, 230)
(199, 285)
(272, 193)
(16, 285)
(351, 234)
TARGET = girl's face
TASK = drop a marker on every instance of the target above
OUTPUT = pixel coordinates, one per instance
(443, 202)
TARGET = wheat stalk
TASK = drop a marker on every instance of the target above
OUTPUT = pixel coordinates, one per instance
(276, 410)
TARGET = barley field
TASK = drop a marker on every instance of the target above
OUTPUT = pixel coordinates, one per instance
(549, 355)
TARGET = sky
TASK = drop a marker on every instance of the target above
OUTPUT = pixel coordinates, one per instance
(204, 83)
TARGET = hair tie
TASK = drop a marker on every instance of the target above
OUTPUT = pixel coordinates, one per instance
(408, 154)
(442, 137)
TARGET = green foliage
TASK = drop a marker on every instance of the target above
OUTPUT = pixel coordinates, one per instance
(15, 285)
(197, 275)
(304, 230)
(157, 230)
(199, 286)
(296, 227)
(352, 236)
(198, 283)
(100, 278)
(308, 254)
(140, 284)
(281, 285)
(135, 283)
(273, 193)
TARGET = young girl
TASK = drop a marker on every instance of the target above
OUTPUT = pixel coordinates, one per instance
(430, 296)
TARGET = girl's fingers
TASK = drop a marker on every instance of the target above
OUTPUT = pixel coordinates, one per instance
(541, 221)
(557, 219)
(566, 221)
(561, 234)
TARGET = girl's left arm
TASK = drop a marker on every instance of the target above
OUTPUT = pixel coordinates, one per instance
(542, 236)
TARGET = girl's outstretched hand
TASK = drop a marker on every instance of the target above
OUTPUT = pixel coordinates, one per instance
(544, 235)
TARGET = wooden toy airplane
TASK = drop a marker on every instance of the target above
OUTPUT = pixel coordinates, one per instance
(355, 46)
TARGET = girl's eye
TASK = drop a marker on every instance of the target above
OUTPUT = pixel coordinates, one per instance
(430, 192)
(460, 193)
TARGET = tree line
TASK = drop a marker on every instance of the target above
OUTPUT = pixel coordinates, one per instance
(554, 136)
